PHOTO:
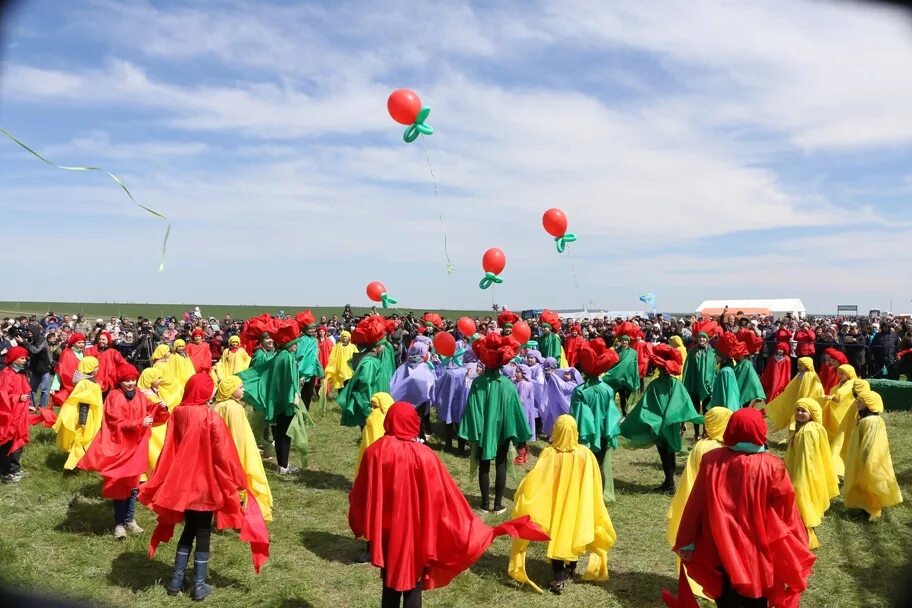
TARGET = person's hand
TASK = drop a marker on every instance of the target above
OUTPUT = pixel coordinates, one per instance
(685, 556)
(24, 397)
(147, 421)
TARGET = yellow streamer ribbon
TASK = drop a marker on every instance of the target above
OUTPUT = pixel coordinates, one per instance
(161, 264)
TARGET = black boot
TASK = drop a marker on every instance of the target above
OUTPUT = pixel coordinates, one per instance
(200, 569)
(180, 567)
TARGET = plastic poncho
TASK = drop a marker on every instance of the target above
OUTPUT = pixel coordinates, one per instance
(725, 390)
(71, 437)
(749, 385)
(373, 426)
(307, 358)
(626, 374)
(272, 386)
(338, 370)
(808, 462)
(354, 398)
(181, 365)
(562, 494)
(678, 343)
(171, 389)
(838, 407)
(231, 363)
(700, 371)
(597, 417)
(870, 482)
(659, 414)
(549, 345)
(493, 415)
(157, 437)
(261, 355)
(557, 395)
(781, 410)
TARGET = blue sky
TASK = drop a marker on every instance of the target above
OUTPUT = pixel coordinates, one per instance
(700, 150)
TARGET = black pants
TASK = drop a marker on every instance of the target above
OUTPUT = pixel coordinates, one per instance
(451, 433)
(700, 406)
(625, 395)
(282, 440)
(394, 599)
(307, 392)
(500, 476)
(560, 568)
(197, 526)
(667, 456)
(424, 413)
(600, 458)
(732, 599)
(9, 462)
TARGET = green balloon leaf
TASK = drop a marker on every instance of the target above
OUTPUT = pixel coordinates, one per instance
(489, 279)
(419, 127)
(387, 299)
(562, 241)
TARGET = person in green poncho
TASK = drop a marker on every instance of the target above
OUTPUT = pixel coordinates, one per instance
(749, 385)
(725, 392)
(272, 386)
(658, 417)
(265, 352)
(699, 373)
(308, 361)
(592, 406)
(493, 417)
(369, 371)
(549, 344)
(624, 378)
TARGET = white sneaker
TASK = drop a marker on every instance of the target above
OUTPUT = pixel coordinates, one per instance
(120, 533)
(133, 527)
(289, 470)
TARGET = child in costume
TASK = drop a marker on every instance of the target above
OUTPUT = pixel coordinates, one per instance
(15, 403)
(369, 376)
(66, 367)
(450, 394)
(414, 382)
(81, 414)
(870, 482)
(559, 385)
(806, 383)
(777, 373)
(338, 370)
(725, 391)
(199, 481)
(659, 416)
(749, 386)
(526, 391)
(809, 465)
(421, 530)
(562, 494)
(307, 355)
(699, 373)
(829, 377)
(233, 361)
(837, 407)
(624, 377)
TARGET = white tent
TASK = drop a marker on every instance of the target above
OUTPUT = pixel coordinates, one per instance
(775, 307)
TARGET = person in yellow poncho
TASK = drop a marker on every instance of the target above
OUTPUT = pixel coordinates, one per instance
(850, 421)
(677, 342)
(149, 384)
(563, 495)
(171, 389)
(338, 370)
(715, 422)
(837, 406)
(806, 383)
(870, 482)
(81, 415)
(373, 426)
(234, 360)
(808, 462)
(228, 406)
(181, 363)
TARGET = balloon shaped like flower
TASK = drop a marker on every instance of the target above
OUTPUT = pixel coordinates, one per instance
(404, 106)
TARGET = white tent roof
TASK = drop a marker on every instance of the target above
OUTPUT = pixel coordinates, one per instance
(774, 305)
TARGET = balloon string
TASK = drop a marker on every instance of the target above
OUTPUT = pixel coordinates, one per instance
(450, 267)
(161, 263)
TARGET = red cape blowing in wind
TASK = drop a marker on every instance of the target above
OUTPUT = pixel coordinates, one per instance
(405, 503)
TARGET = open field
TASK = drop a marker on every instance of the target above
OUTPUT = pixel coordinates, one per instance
(55, 537)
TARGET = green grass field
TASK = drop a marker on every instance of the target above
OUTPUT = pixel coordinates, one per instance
(107, 310)
(55, 537)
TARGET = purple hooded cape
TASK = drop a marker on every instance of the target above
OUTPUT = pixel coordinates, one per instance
(556, 397)
(414, 380)
(451, 392)
(526, 390)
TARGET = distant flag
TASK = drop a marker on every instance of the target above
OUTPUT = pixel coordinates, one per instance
(649, 299)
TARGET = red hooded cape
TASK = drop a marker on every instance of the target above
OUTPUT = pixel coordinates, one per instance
(776, 374)
(199, 470)
(201, 355)
(415, 516)
(827, 372)
(66, 368)
(109, 361)
(741, 521)
(14, 412)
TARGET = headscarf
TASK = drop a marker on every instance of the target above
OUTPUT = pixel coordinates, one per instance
(106, 335)
(848, 370)
(74, 338)
(745, 426)
(812, 407)
(549, 363)
(161, 351)
(859, 386)
(535, 355)
(565, 436)
(417, 352)
(402, 421)
(234, 340)
(148, 377)
(525, 370)
(805, 364)
(872, 401)
(345, 334)
(178, 343)
(14, 353)
(227, 386)
(381, 400)
(87, 366)
(126, 372)
(197, 332)
(198, 390)
(676, 341)
(716, 421)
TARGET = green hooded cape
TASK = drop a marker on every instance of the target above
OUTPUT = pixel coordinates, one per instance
(355, 396)
(658, 416)
(306, 355)
(748, 382)
(550, 346)
(493, 415)
(387, 361)
(626, 374)
(700, 371)
(592, 406)
(272, 386)
(260, 355)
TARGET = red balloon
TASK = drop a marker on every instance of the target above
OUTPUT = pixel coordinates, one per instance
(375, 291)
(521, 332)
(445, 343)
(466, 327)
(403, 105)
(494, 260)
(555, 222)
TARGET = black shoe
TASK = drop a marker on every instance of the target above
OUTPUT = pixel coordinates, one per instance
(666, 488)
(498, 509)
(556, 587)
(362, 558)
(484, 507)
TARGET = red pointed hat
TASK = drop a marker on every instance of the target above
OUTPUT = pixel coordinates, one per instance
(629, 329)
(434, 319)
(507, 318)
(730, 347)
(305, 318)
(369, 331)
(666, 358)
(550, 317)
(595, 358)
(495, 350)
(287, 331)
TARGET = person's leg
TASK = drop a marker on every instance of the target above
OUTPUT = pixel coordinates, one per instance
(558, 576)
(412, 598)
(130, 521)
(484, 483)
(203, 523)
(667, 458)
(390, 598)
(307, 392)
(500, 475)
(182, 556)
(449, 435)
(625, 394)
(45, 388)
(282, 440)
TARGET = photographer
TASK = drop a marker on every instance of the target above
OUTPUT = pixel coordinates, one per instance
(144, 344)
(40, 362)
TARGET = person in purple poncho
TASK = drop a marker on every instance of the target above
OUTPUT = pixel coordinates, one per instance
(559, 385)
(450, 395)
(526, 389)
(537, 377)
(414, 382)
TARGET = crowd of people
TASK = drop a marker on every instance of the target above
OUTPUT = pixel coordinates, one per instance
(181, 414)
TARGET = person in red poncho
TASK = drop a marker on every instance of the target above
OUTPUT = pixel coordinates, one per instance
(199, 352)
(832, 359)
(66, 367)
(15, 402)
(421, 530)
(777, 373)
(120, 452)
(741, 536)
(199, 477)
(109, 361)
(572, 344)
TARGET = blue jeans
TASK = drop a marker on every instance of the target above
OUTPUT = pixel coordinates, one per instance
(125, 509)
(42, 386)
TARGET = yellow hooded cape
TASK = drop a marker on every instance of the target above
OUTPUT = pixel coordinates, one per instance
(850, 421)
(373, 426)
(338, 371)
(563, 495)
(808, 461)
(172, 388)
(235, 417)
(181, 365)
(231, 362)
(781, 410)
(870, 482)
(678, 343)
(837, 407)
(715, 422)
(71, 437)
(147, 378)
